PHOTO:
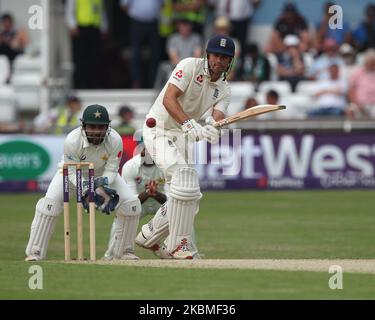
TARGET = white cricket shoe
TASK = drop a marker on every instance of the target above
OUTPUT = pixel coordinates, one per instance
(107, 257)
(182, 251)
(125, 256)
(33, 257)
(196, 256)
(160, 250)
(33, 254)
(129, 256)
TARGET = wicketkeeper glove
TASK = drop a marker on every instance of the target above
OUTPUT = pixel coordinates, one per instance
(98, 182)
(105, 199)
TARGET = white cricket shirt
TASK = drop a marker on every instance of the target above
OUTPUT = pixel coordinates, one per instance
(105, 157)
(200, 93)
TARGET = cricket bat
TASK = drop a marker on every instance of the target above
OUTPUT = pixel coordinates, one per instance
(248, 113)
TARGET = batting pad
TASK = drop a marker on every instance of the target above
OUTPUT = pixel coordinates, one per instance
(126, 227)
(42, 227)
(182, 205)
(155, 230)
(111, 243)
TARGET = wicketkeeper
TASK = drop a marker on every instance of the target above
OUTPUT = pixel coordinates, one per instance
(195, 86)
(94, 141)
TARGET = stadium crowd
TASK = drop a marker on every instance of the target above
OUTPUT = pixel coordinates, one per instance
(331, 69)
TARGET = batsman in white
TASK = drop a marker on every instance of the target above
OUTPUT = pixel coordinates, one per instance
(145, 181)
(94, 142)
(195, 86)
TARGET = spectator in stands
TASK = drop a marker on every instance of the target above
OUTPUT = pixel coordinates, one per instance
(364, 34)
(222, 26)
(362, 88)
(180, 45)
(250, 102)
(166, 27)
(348, 56)
(290, 22)
(330, 55)
(12, 41)
(87, 23)
(239, 13)
(127, 131)
(324, 31)
(126, 128)
(330, 95)
(143, 30)
(192, 10)
(61, 119)
(290, 63)
(272, 97)
(256, 67)
(183, 44)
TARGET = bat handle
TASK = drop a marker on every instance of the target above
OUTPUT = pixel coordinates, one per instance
(219, 124)
(211, 121)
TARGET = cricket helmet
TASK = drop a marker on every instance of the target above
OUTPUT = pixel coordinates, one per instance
(221, 44)
(96, 116)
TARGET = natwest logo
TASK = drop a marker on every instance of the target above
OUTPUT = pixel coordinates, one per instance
(286, 160)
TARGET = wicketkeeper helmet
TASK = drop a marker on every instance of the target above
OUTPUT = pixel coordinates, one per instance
(95, 114)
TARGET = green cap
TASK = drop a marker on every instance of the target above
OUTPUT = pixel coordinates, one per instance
(95, 114)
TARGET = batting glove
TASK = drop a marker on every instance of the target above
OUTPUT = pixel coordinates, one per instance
(211, 133)
(193, 130)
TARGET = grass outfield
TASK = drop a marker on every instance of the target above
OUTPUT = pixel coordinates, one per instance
(230, 225)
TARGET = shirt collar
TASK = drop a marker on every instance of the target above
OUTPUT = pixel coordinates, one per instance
(86, 143)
